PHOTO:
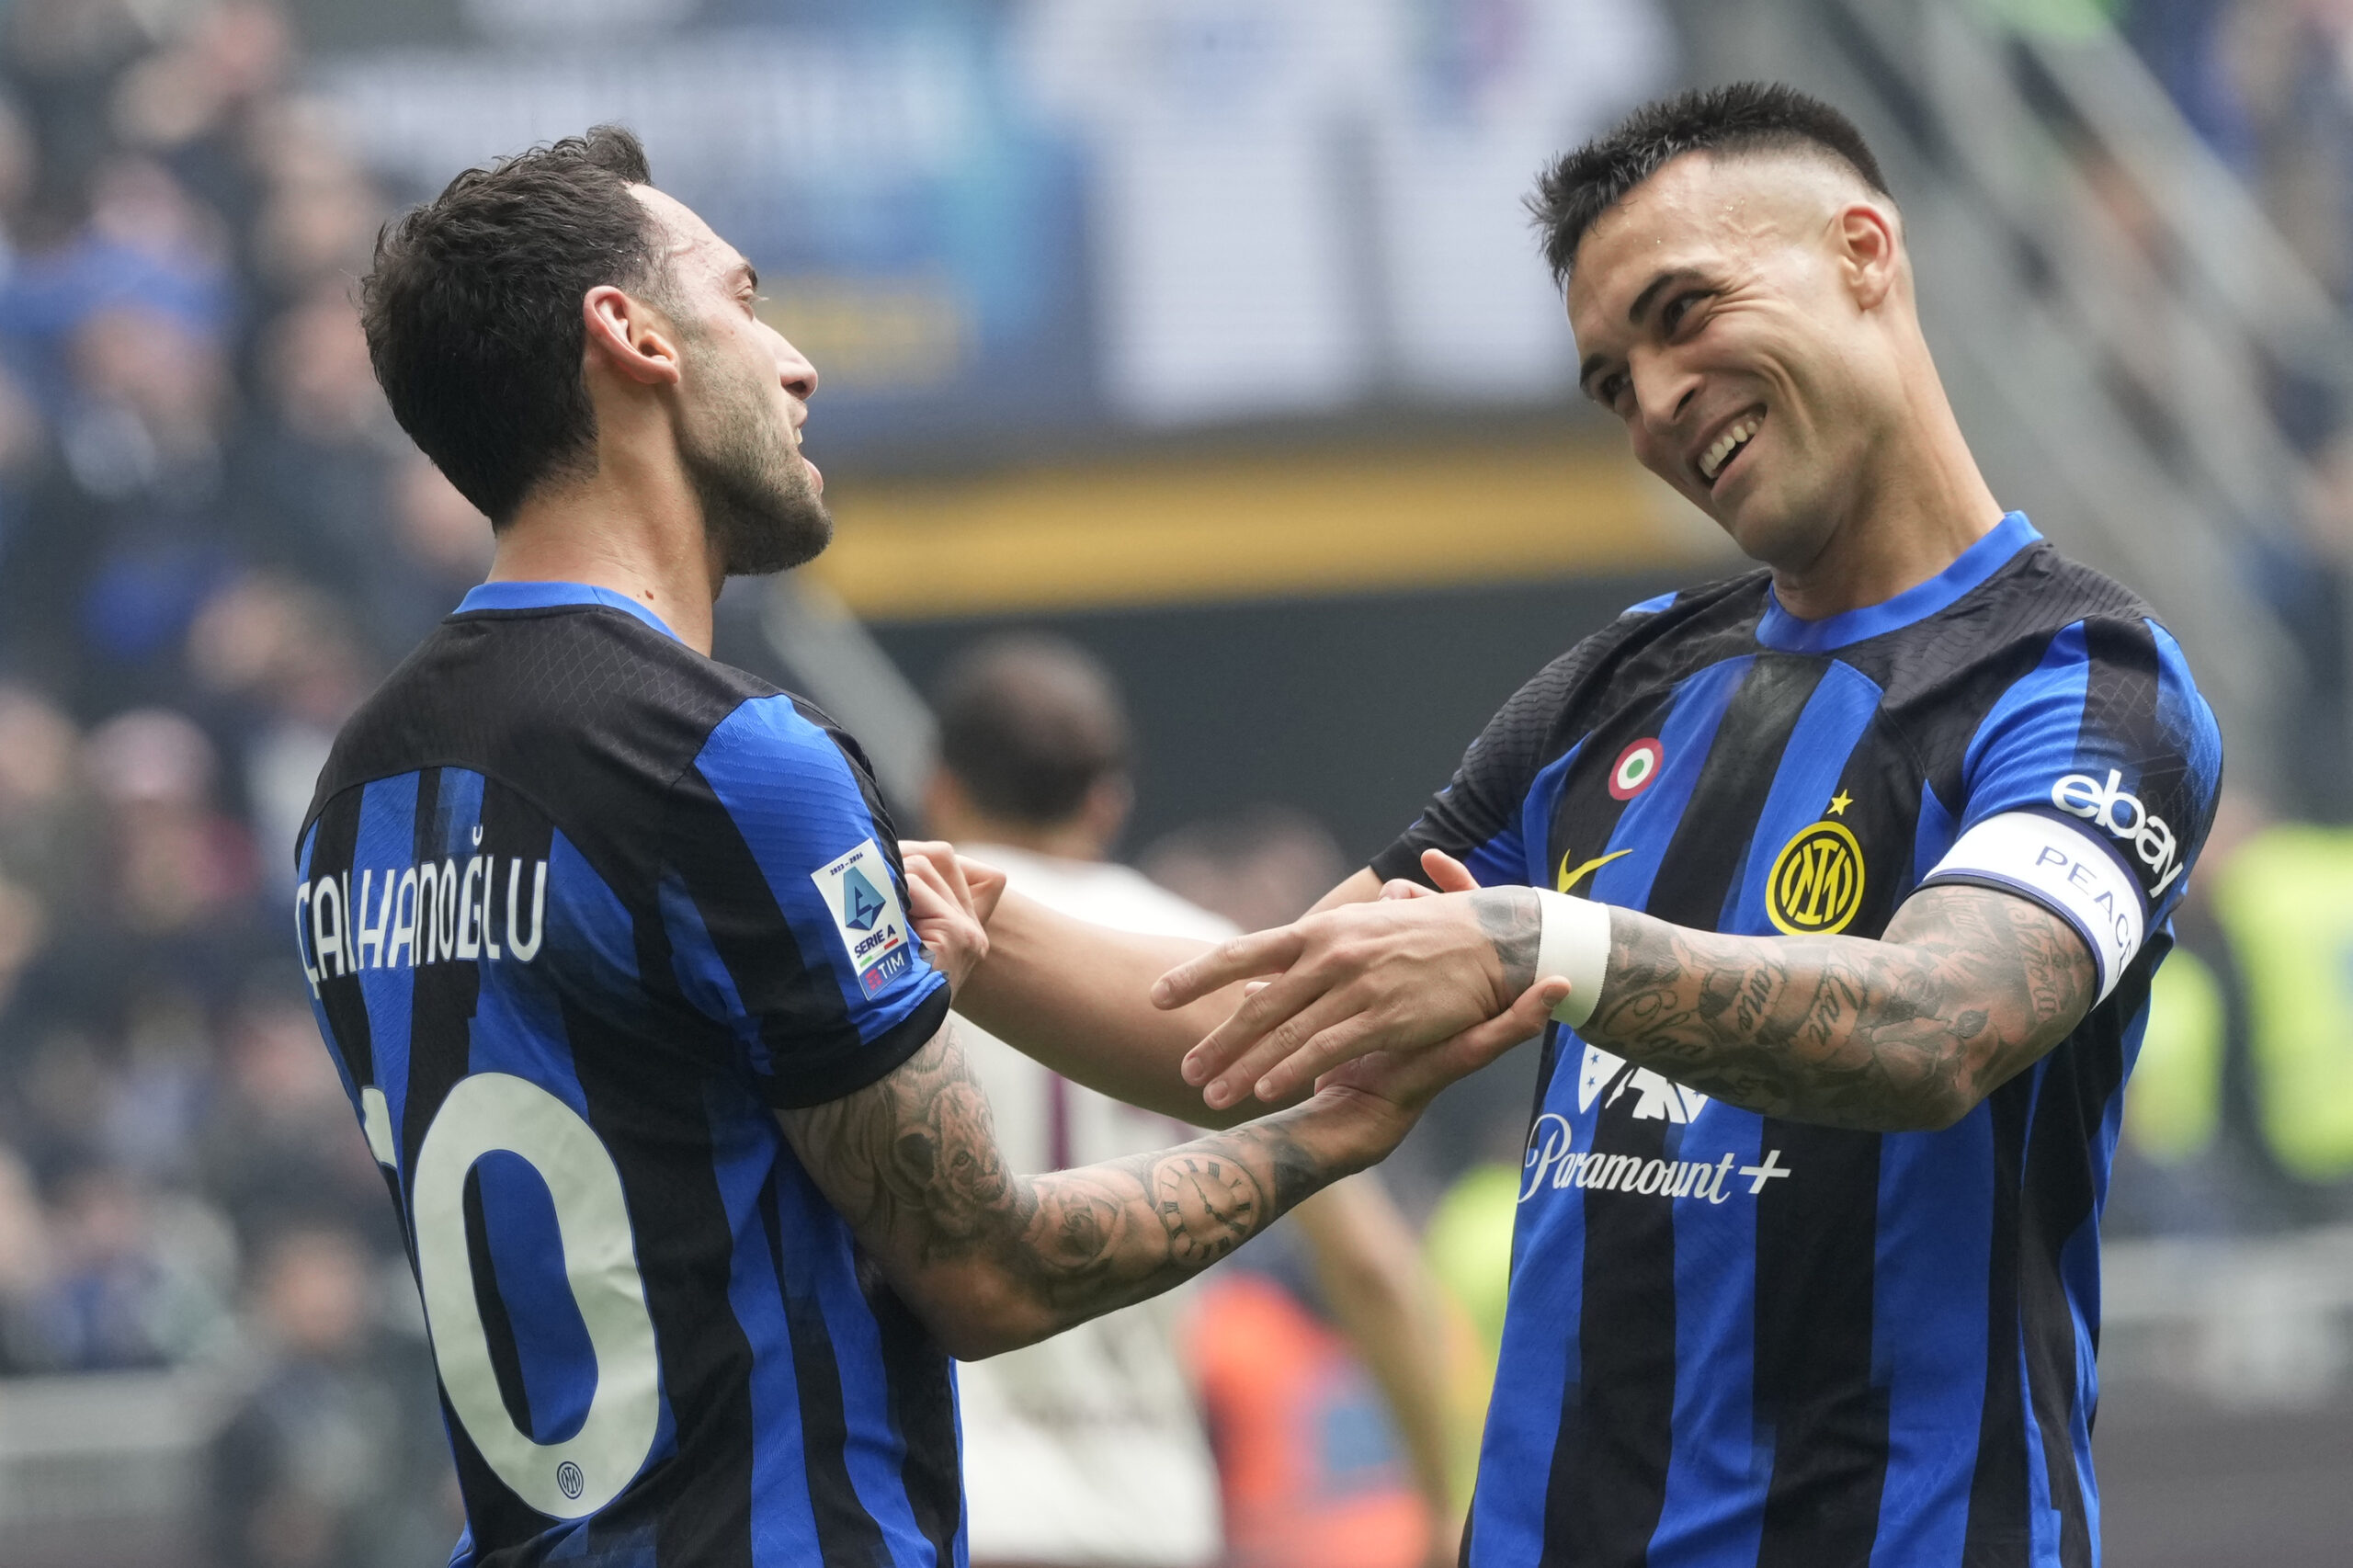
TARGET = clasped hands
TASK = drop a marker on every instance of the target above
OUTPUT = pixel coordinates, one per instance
(1410, 985)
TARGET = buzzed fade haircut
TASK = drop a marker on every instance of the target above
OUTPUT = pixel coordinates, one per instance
(1028, 724)
(1746, 117)
(472, 310)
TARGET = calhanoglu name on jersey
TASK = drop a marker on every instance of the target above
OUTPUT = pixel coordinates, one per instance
(432, 911)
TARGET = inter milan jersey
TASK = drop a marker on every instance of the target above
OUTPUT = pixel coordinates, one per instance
(1741, 1339)
(581, 908)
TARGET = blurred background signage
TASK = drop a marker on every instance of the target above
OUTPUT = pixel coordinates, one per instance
(992, 222)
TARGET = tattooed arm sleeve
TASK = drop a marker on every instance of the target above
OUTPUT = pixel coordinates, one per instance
(1968, 986)
(992, 1260)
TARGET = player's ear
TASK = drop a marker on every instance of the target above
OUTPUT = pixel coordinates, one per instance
(1870, 250)
(630, 337)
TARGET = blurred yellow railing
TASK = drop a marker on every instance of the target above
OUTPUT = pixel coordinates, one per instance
(1254, 526)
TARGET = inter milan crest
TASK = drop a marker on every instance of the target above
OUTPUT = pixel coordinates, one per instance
(1817, 881)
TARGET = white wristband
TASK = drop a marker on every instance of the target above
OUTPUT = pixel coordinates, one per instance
(1574, 945)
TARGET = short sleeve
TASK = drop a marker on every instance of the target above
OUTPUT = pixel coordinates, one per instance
(785, 908)
(2090, 785)
(1476, 818)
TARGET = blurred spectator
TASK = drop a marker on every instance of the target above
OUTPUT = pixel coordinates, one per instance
(24, 1266)
(178, 867)
(1034, 777)
(1261, 866)
(335, 1459)
(141, 1278)
(277, 1147)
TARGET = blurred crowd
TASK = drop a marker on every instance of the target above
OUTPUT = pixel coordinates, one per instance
(2268, 86)
(212, 541)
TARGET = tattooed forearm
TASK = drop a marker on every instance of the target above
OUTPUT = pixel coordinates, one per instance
(913, 1163)
(1515, 924)
(1968, 986)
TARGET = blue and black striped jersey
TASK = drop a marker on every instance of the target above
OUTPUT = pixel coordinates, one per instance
(580, 909)
(1738, 1339)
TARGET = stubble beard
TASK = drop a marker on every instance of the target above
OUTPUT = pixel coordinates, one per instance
(759, 511)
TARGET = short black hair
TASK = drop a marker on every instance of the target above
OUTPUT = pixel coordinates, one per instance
(1029, 725)
(1746, 117)
(472, 310)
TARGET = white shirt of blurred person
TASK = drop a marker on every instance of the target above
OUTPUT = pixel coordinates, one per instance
(1089, 1449)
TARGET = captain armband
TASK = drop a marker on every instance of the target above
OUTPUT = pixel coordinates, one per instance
(1574, 945)
(2062, 868)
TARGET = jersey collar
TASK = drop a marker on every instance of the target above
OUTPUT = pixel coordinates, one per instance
(1786, 633)
(553, 595)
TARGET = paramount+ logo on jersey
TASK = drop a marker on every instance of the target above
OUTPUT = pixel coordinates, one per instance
(864, 902)
(1553, 1162)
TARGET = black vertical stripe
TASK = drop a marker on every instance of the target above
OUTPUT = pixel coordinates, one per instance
(1998, 1519)
(923, 1412)
(846, 1533)
(1608, 1485)
(644, 1062)
(339, 994)
(2121, 708)
(1817, 1233)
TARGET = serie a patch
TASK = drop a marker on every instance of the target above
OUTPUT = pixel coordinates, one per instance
(864, 901)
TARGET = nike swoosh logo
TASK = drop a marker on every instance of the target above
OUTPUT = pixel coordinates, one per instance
(1569, 878)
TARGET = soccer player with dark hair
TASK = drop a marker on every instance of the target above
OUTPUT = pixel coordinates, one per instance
(1859, 865)
(643, 1014)
(1093, 1448)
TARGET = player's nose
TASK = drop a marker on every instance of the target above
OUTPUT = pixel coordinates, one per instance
(1663, 394)
(793, 369)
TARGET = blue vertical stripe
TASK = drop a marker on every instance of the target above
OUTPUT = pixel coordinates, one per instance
(814, 1236)
(1536, 824)
(747, 1149)
(386, 843)
(1934, 836)
(2047, 706)
(1929, 1286)
(557, 1363)
(306, 952)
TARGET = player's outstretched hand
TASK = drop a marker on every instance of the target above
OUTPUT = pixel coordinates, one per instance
(1403, 974)
(1413, 1078)
(946, 900)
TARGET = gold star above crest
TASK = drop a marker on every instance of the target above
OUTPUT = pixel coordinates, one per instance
(1839, 802)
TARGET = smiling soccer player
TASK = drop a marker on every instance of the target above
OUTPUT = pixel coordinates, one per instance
(1860, 865)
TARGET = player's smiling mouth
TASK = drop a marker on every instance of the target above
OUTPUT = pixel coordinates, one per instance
(1727, 445)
